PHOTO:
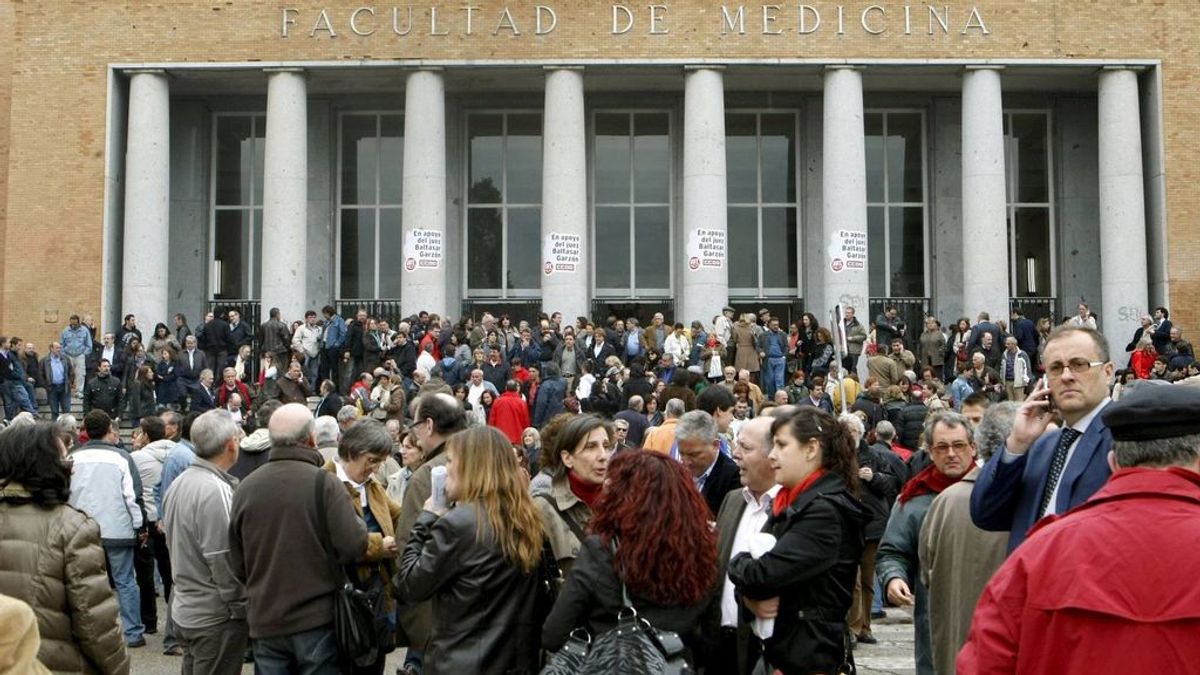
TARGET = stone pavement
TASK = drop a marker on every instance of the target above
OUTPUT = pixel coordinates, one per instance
(892, 656)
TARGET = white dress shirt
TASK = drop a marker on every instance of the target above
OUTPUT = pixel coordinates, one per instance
(753, 519)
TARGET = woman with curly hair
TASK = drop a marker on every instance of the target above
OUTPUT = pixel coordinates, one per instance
(649, 534)
(478, 561)
(805, 581)
(51, 557)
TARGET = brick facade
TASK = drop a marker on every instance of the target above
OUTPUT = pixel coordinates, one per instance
(54, 68)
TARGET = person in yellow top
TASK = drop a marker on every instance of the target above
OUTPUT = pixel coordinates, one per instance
(661, 438)
(852, 386)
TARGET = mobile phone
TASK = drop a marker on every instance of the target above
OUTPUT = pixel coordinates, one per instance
(438, 476)
(1049, 397)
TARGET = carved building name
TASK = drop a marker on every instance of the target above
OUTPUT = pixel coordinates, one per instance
(629, 19)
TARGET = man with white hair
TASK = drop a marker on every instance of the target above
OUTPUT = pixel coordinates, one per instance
(208, 603)
(699, 449)
(276, 517)
(326, 431)
(743, 514)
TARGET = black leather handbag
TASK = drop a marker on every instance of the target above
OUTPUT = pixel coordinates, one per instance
(354, 626)
(633, 646)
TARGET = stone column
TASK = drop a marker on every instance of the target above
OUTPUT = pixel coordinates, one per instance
(147, 199)
(285, 194)
(844, 194)
(423, 286)
(564, 195)
(705, 287)
(984, 219)
(1123, 269)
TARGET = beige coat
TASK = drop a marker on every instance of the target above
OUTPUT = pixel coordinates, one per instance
(565, 506)
(957, 560)
(52, 559)
(387, 514)
(19, 640)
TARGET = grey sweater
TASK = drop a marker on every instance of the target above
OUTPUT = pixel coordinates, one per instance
(196, 522)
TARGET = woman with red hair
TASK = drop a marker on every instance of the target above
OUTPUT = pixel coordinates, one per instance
(650, 533)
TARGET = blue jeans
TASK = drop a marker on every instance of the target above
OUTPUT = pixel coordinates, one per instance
(310, 367)
(59, 397)
(120, 567)
(877, 603)
(311, 652)
(16, 398)
(774, 368)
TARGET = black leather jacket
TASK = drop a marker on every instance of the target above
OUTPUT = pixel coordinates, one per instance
(483, 605)
(812, 570)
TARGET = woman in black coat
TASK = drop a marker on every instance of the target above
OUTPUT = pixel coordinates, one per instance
(477, 561)
(806, 580)
(650, 535)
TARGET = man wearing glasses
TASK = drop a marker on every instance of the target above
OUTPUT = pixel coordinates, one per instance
(1040, 472)
(897, 563)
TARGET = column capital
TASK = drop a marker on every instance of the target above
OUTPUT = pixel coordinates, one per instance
(983, 66)
(702, 66)
(1119, 67)
(427, 69)
(285, 69)
(147, 71)
(549, 69)
(844, 66)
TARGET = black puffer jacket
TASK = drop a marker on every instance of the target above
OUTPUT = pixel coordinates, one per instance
(483, 605)
(812, 570)
(910, 422)
(879, 492)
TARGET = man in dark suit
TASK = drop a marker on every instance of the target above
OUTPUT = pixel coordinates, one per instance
(1037, 473)
(213, 339)
(982, 327)
(203, 397)
(743, 513)
(191, 362)
(1025, 331)
(699, 449)
(239, 333)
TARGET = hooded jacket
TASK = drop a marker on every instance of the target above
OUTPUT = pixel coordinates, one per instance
(150, 461)
(254, 452)
(106, 485)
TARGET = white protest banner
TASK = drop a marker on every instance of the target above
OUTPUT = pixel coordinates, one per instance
(848, 251)
(422, 250)
(705, 249)
(561, 252)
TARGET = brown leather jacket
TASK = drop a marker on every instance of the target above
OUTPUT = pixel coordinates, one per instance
(52, 559)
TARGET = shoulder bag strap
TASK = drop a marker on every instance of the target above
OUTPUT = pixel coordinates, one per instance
(339, 575)
(574, 527)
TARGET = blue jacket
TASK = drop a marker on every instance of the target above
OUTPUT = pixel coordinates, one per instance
(178, 460)
(1007, 495)
(530, 356)
(1026, 334)
(78, 341)
(549, 401)
(335, 332)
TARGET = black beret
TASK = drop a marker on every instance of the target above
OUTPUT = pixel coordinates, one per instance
(1147, 413)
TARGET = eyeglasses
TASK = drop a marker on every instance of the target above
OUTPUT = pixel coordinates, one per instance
(1078, 366)
(960, 447)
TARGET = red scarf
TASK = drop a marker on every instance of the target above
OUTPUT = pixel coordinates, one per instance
(929, 481)
(785, 496)
(587, 492)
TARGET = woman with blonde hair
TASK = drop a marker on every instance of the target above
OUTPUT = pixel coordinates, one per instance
(478, 561)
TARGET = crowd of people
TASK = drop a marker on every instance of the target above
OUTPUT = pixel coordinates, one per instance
(506, 495)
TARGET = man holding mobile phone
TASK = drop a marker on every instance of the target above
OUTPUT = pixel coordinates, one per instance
(1038, 473)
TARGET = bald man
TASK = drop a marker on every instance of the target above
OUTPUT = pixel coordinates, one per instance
(276, 517)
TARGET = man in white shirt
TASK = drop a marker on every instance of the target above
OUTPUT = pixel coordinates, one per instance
(477, 386)
(743, 513)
